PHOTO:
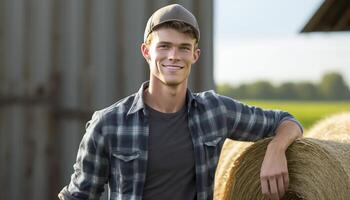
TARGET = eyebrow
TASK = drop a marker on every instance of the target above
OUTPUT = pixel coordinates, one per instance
(182, 44)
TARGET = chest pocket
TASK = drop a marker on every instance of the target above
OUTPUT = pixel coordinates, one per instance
(212, 147)
(123, 163)
(124, 170)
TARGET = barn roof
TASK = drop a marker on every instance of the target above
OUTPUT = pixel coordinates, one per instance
(333, 15)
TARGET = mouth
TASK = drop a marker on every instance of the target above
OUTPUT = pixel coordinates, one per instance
(173, 67)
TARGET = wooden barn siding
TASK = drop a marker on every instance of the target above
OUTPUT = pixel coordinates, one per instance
(59, 61)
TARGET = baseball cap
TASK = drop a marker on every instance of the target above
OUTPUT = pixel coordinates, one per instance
(173, 12)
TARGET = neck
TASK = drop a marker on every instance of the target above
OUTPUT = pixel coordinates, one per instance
(165, 98)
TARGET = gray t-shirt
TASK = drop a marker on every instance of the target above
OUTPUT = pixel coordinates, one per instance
(171, 168)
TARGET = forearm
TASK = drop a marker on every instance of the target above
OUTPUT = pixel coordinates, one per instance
(274, 171)
(286, 133)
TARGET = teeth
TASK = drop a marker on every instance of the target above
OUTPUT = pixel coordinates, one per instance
(173, 67)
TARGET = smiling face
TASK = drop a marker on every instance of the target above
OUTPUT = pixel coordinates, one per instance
(170, 55)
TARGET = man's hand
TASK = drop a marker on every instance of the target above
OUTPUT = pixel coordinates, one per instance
(274, 170)
(274, 173)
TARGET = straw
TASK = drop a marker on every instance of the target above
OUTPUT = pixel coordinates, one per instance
(318, 169)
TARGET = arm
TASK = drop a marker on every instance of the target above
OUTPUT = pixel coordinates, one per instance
(274, 171)
(91, 167)
(250, 123)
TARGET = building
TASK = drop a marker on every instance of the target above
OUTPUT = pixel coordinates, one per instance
(333, 15)
(59, 61)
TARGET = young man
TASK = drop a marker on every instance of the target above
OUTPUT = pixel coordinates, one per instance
(164, 141)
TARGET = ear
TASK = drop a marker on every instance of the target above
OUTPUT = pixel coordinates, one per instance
(196, 54)
(145, 51)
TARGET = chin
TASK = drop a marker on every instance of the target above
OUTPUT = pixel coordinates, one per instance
(173, 82)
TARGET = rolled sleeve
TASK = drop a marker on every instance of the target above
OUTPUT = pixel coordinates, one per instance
(65, 195)
(293, 119)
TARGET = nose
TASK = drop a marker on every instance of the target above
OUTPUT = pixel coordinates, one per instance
(173, 54)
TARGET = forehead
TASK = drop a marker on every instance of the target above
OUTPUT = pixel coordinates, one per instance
(171, 35)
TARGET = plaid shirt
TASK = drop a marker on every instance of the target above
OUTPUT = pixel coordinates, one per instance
(114, 149)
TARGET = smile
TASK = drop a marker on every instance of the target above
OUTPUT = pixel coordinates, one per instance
(173, 67)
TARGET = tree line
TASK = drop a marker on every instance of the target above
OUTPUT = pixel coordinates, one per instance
(331, 87)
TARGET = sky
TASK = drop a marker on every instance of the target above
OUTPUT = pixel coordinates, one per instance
(261, 40)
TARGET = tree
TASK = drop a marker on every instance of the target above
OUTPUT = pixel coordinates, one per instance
(307, 91)
(261, 90)
(286, 91)
(240, 92)
(225, 89)
(333, 87)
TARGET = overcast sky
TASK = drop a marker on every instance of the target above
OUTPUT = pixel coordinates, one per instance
(257, 40)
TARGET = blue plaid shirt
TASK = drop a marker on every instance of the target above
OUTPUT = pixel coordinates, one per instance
(114, 149)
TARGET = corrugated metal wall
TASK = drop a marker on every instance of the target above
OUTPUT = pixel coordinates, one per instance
(59, 61)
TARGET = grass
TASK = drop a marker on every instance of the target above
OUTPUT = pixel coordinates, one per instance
(307, 112)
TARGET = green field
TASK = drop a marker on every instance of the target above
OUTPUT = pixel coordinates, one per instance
(307, 112)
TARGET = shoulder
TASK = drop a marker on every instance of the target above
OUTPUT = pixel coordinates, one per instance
(211, 100)
(211, 97)
(110, 115)
(120, 107)
(206, 96)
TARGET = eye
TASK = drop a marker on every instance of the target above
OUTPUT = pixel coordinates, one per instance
(164, 46)
(185, 48)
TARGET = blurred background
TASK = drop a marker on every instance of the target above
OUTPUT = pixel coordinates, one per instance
(60, 60)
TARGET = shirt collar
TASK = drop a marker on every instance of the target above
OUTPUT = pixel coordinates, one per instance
(139, 103)
(190, 99)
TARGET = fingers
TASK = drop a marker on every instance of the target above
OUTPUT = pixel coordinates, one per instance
(274, 187)
(269, 188)
(286, 181)
(280, 186)
(265, 187)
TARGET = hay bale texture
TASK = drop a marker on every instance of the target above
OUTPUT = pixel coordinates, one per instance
(335, 128)
(231, 150)
(318, 169)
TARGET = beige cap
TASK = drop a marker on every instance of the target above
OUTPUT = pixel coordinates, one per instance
(173, 12)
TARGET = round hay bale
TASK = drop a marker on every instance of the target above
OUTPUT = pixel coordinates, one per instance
(318, 170)
(231, 150)
(335, 128)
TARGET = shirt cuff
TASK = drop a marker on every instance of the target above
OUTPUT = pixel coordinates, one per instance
(65, 195)
(295, 121)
